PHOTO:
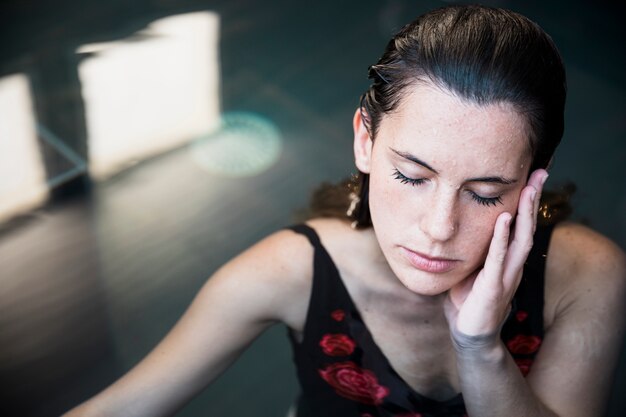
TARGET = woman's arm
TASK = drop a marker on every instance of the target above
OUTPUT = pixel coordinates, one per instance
(241, 300)
(575, 365)
(572, 372)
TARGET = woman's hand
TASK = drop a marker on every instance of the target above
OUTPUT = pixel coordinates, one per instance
(477, 307)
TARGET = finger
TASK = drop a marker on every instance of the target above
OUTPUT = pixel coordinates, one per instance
(495, 261)
(450, 310)
(522, 237)
(524, 242)
(485, 298)
(459, 292)
(537, 179)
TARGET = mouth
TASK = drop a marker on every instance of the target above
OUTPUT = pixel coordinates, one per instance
(428, 263)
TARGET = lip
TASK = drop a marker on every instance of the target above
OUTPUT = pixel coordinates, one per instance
(428, 263)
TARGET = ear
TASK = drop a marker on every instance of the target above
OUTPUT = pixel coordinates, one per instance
(362, 144)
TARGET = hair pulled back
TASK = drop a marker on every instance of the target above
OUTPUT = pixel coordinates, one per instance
(482, 55)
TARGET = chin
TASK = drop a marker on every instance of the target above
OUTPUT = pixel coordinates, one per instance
(427, 284)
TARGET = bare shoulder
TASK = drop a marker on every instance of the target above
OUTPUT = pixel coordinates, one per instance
(271, 280)
(585, 294)
(578, 251)
(267, 283)
(584, 268)
(331, 228)
(339, 237)
(288, 254)
(282, 254)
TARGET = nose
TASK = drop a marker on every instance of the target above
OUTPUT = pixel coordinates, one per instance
(439, 221)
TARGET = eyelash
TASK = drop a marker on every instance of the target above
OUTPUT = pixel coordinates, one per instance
(406, 180)
(486, 201)
(483, 201)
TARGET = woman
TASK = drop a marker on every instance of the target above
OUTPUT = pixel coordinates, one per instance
(430, 297)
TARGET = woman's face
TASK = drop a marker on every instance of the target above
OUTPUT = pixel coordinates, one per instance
(441, 171)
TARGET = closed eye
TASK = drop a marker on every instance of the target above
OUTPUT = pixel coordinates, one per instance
(406, 180)
(485, 201)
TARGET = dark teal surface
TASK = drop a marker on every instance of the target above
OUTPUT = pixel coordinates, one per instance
(90, 282)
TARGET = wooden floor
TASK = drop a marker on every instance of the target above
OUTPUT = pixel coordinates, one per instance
(90, 282)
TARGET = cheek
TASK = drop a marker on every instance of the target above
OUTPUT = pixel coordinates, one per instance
(476, 230)
(388, 199)
(478, 223)
(380, 202)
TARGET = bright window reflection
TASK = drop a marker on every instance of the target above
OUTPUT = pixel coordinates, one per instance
(22, 173)
(145, 97)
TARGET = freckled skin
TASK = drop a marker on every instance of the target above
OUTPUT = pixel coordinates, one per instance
(460, 140)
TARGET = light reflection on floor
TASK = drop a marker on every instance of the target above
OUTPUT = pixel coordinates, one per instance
(151, 92)
(22, 176)
(245, 144)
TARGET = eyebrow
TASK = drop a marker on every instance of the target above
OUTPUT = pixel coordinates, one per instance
(496, 180)
(414, 159)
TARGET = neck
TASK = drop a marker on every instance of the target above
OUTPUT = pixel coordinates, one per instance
(429, 304)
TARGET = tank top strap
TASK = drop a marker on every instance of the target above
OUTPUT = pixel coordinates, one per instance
(523, 331)
(539, 252)
(530, 294)
(310, 234)
(329, 296)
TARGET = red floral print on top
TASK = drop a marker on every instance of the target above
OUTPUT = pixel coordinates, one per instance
(521, 315)
(338, 315)
(524, 365)
(337, 345)
(352, 382)
(523, 344)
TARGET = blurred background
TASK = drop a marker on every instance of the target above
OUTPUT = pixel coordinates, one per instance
(144, 143)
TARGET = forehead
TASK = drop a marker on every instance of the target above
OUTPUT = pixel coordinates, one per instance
(435, 123)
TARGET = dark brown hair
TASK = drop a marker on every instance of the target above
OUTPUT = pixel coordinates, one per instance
(481, 54)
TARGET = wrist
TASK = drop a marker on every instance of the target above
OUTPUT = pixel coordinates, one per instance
(483, 348)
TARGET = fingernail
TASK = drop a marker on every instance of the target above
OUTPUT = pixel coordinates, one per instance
(545, 177)
(533, 194)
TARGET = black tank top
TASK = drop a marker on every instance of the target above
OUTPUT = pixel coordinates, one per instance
(343, 373)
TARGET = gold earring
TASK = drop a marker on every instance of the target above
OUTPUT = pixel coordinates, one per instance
(354, 200)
